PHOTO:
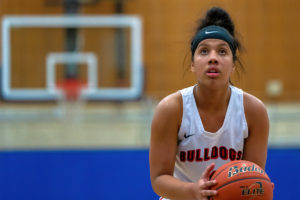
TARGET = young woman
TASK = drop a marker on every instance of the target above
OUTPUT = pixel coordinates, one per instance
(200, 128)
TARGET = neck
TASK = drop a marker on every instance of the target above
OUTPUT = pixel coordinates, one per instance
(212, 99)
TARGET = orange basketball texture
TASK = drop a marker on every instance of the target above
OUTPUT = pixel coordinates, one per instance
(242, 180)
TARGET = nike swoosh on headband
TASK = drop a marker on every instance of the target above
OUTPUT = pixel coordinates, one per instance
(209, 32)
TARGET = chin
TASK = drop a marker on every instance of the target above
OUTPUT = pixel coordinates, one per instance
(214, 84)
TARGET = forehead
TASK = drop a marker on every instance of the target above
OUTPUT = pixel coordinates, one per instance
(213, 43)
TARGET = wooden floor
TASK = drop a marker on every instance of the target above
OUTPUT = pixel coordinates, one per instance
(84, 125)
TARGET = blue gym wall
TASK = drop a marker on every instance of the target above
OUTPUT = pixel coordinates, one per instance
(109, 174)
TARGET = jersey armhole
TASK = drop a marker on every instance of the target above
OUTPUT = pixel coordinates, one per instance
(182, 112)
(245, 123)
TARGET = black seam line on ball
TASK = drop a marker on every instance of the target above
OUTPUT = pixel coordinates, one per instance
(260, 178)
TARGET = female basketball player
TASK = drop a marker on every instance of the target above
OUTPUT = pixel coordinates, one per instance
(200, 128)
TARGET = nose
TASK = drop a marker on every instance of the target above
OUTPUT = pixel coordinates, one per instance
(213, 61)
(213, 58)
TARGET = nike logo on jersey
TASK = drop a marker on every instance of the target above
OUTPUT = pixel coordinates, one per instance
(187, 136)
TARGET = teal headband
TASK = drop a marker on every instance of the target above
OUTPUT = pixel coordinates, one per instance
(213, 32)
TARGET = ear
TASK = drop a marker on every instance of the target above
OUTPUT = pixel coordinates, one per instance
(233, 68)
(192, 67)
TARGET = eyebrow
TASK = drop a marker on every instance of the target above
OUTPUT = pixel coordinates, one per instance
(222, 44)
(203, 44)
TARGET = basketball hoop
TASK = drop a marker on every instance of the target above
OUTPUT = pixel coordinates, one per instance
(71, 89)
(71, 102)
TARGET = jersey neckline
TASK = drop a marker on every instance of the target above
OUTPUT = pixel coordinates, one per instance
(227, 115)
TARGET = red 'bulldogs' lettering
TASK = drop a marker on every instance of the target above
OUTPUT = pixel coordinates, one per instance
(232, 154)
(206, 156)
(239, 155)
(214, 153)
(182, 156)
(191, 155)
(197, 155)
(223, 153)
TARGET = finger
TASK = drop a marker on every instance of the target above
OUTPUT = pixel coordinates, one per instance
(208, 184)
(212, 173)
(207, 193)
(208, 170)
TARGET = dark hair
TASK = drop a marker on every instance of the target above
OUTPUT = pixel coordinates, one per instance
(219, 17)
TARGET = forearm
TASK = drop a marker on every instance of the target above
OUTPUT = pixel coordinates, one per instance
(170, 187)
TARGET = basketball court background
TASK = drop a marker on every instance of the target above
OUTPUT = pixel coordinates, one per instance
(95, 146)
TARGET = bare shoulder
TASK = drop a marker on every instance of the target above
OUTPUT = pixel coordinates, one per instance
(169, 109)
(171, 101)
(252, 103)
(170, 105)
(255, 109)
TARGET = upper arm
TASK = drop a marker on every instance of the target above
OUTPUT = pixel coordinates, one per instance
(165, 125)
(255, 148)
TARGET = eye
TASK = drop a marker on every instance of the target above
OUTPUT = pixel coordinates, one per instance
(203, 51)
(222, 51)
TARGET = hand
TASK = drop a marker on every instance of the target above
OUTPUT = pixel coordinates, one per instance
(201, 188)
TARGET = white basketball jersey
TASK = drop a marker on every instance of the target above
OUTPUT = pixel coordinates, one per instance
(197, 148)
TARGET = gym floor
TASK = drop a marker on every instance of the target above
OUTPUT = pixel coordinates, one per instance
(108, 125)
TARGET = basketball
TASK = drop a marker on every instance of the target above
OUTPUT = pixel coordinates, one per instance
(241, 180)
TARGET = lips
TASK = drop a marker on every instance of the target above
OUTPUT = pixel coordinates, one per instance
(212, 72)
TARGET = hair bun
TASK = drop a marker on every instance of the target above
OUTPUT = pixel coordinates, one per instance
(219, 17)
